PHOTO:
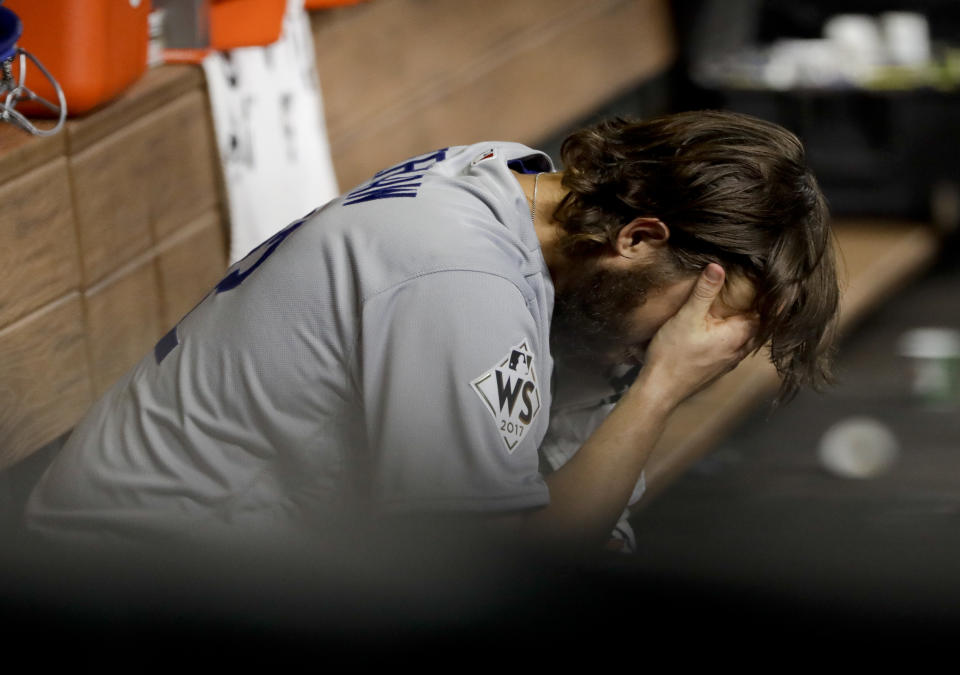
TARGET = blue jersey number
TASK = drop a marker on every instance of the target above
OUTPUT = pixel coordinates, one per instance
(234, 278)
(256, 256)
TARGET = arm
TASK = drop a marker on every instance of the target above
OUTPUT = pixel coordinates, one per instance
(692, 349)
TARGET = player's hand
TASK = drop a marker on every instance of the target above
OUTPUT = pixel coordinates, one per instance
(705, 339)
(736, 297)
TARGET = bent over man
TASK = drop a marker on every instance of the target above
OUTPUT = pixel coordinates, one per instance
(442, 338)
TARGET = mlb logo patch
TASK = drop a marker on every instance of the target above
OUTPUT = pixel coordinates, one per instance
(511, 393)
(489, 154)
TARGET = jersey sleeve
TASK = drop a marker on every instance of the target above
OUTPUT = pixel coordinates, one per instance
(455, 380)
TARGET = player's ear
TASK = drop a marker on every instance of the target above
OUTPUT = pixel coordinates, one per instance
(641, 235)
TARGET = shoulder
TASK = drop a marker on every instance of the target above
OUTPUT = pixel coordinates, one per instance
(456, 295)
(454, 210)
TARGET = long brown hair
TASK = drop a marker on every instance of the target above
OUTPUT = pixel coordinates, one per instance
(732, 189)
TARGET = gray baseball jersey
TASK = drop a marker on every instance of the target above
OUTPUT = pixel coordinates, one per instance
(389, 351)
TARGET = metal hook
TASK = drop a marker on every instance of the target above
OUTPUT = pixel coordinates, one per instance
(19, 92)
(16, 90)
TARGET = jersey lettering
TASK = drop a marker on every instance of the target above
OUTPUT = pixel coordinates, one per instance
(242, 271)
(527, 415)
(234, 278)
(505, 394)
(402, 180)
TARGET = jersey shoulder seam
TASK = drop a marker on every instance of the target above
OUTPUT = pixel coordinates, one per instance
(427, 273)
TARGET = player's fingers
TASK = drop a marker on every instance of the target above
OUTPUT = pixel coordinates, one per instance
(706, 290)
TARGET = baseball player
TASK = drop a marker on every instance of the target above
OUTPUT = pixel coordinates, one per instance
(443, 338)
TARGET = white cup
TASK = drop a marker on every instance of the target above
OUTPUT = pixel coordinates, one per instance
(906, 36)
(858, 36)
(934, 357)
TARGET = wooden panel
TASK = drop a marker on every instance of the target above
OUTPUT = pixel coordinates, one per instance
(181, 175)
(44, 378)
(152, 91)
(374, 55)
(508, 71)
(39, 260)
(23, 152)
(190, 264)
(141, 170)
(876, 258)
(123, 321)
(138, 184)
(112, 212)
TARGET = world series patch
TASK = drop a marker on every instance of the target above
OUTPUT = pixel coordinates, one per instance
(511, 393)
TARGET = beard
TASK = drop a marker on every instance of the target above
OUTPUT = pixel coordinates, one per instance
(590, 326)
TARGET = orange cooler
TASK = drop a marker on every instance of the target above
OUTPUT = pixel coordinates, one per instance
(94, 48)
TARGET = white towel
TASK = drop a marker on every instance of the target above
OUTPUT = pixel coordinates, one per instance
(268, 117)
